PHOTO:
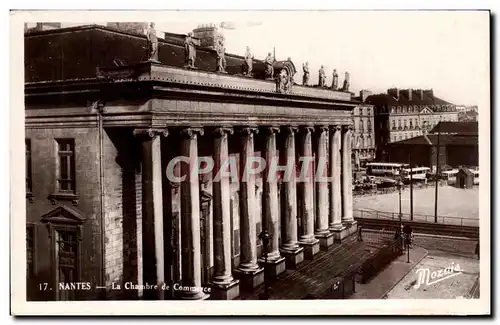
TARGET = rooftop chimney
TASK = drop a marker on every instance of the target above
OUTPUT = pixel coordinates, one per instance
(46, 26)
(394, 92)
(429, 92)
(364, 94)
(208, 34)
(130, 27)
(421, 92)
(409, 94)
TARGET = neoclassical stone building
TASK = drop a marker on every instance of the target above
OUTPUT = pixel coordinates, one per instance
(402, 114)
(103, 125)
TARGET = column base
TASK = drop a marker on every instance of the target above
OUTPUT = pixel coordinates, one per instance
(225, 291)
(274, 267)
(325, 240)
(293, 257)
(250, 279)
(344, 231)
(197, 296)
(311, 248)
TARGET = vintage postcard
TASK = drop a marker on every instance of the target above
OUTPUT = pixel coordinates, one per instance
(241, 162)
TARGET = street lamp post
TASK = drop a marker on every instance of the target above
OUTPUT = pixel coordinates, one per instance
(265, 237)
(408, 248)
(400, 230)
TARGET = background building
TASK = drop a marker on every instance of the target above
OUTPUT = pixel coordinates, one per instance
(102, 124)
(363, 146)
(458, 146)
(402, 114)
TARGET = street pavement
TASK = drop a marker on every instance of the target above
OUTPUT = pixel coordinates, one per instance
(388, 277)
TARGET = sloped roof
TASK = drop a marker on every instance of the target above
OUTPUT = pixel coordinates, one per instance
(389, 100)
(466, 171)
(76, 52)
(464, 128)
(444, 139)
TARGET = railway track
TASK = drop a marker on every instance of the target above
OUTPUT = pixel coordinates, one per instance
(421, 227)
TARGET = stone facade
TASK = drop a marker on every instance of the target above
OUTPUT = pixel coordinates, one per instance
(132, 224)
(407, 113)
(363, 134)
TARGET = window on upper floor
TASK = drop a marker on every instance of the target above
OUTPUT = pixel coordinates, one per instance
(29, 182)
(66, 165)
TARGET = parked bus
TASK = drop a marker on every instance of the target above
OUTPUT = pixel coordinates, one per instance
(385, 169)
(417, 173)
(450, 176)
(476, 176)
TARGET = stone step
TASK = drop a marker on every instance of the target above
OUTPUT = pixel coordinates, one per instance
(313, 278)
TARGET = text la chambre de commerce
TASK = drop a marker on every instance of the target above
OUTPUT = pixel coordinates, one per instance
(155, 287)
(72, 286)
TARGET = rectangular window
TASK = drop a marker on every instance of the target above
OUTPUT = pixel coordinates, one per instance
(29, 184)
(30, 251)
(66, 165)
(66, 259)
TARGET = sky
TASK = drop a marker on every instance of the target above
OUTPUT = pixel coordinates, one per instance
(447, 51)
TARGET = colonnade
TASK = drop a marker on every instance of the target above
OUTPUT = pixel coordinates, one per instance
(318, 202)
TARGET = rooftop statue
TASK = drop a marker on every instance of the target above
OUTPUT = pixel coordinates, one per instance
(281, 81)
(335, 81)
(152, 43)
(305, 76)
(248, 64)
(221, 55)
(322, 77)
(346, 82)
(269, 61)
(190, 50)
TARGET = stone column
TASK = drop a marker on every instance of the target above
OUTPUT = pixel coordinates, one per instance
(152, 212)
(335, 219)
(347, 216)
(271, 215)
(249, 273)
(321, 180)
(190, 216)
(224, 285)
(306, 201)
(294, 254)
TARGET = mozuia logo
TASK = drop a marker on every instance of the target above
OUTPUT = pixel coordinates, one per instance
(425, 276)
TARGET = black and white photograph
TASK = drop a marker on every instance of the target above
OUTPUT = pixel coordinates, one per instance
(208, 157)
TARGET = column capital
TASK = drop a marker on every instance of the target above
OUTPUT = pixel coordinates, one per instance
(249, 130)
(192, 131)
(347, 128)
(270, 130)
(291, 129)
(335, 128)
(322, 128)
(223, 131)
(307, 128)
(150, 132)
